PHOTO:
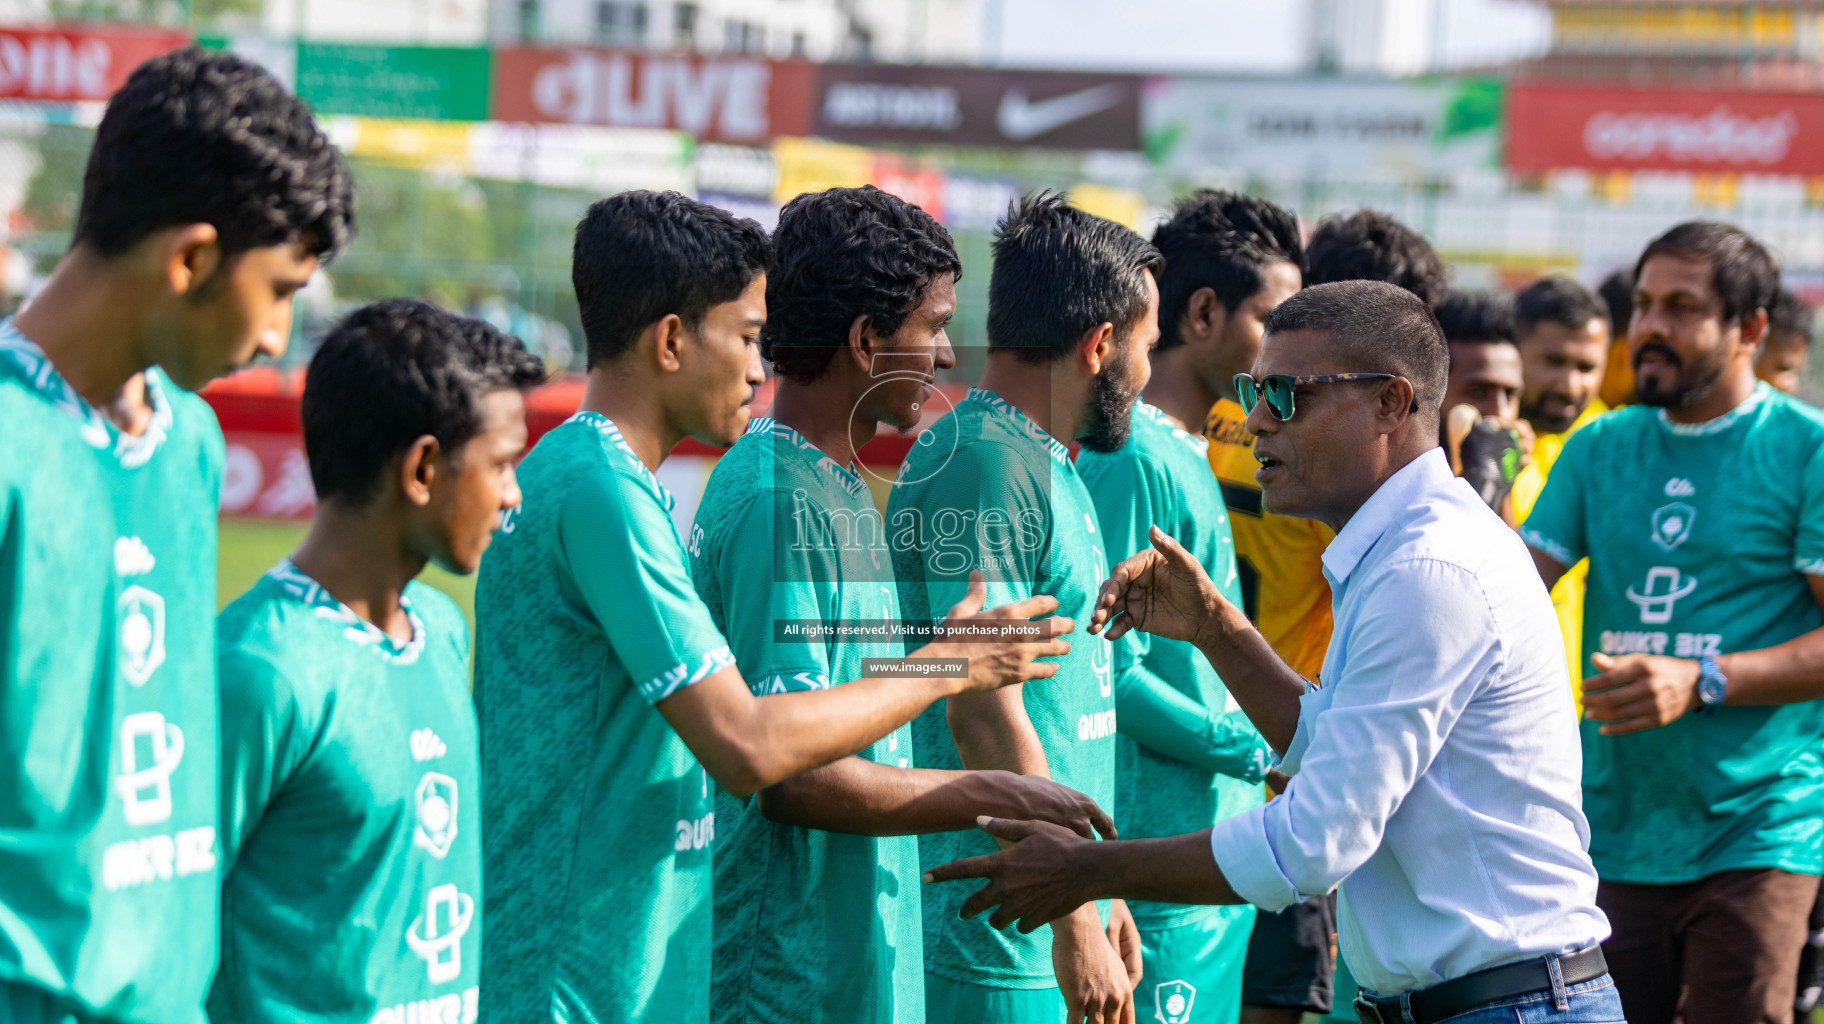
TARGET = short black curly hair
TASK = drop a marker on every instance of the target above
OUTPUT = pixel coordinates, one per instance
(1368, 245)
(1222, 241)
(641, 256)
(196, 137)
(840, 254)
(392, 372)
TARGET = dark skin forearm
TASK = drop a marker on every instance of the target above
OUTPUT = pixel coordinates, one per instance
(1045, 872)
(860, 797)
(1634, 692)
(1783, 674)
(1175, 869)
(1266, 688)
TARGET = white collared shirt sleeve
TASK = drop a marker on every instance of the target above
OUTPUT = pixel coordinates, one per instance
(1391, 704)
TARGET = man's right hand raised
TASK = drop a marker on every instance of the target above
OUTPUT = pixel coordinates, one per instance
(994, 662)
(1162, 591)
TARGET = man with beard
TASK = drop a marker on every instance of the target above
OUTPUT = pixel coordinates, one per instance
(1186, 757)
(1072, 312)
(1563, 332)
(816, 878)
(1701, 511)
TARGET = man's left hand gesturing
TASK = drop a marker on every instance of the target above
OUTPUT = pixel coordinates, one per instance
(1034, 882)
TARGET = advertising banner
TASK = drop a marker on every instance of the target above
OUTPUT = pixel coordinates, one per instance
(884, 103)
(718, 98)
(435, 82)
(75, 63)
(1324, 128)
(1553, 126)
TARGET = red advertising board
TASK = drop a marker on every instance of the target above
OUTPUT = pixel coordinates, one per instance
(723, 98)
(75, 63)
(1552, 126)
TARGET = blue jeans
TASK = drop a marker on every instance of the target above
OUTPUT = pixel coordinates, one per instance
(1593, 1002)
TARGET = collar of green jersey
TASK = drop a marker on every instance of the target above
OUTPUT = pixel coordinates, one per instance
(1720, 423)
(29, 364)
(355, 629)
(1200, 445)
(612, 434)
(846, 478)
(1059, 452)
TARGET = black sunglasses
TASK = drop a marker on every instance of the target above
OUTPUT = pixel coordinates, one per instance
(1277, 389)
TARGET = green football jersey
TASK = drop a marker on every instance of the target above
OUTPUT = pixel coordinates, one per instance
(108, 851)
(986, 488)
(1700, 538)
(810, 926)
(598, 821)
(1161, 477)
(351, 779)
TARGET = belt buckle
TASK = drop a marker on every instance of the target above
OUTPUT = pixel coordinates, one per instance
(1370, 1012)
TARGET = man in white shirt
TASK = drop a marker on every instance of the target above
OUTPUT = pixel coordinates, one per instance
(1435, 770)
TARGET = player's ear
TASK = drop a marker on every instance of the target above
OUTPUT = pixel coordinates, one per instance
(1096, 347)
(1204, 312)
(188, 255)
(667, 337)
(419, 467)
(1754, 330)
(862, 341)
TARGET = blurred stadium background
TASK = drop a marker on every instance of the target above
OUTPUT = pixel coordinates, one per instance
(1521, 136)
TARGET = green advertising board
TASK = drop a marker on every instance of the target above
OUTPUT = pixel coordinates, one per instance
(435, 82)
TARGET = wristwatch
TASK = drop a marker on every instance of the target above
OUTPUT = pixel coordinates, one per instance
(1712, 685)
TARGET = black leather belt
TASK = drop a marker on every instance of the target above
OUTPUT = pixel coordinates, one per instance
(1460, 995)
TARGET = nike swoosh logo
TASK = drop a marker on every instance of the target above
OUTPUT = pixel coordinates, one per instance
(1020, 118)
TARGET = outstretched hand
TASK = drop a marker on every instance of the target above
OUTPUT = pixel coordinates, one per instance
(1033, 882)
(1162, 591)
(995, 661)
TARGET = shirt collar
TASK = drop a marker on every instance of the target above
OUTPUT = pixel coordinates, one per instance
(36, 371)
(1059, 453)
(605, 426)
(847, 479)
(1383, 510)
(357, 630)
(1720, 423)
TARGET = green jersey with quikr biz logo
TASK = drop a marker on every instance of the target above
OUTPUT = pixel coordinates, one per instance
(810, 926)
(985, 488)
(1700, 539)
(108, 849)
(598, 820)
(351, 826)
(1161, 477)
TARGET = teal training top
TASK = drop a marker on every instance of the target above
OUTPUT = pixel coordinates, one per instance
(109, 876)
(598, 820)
(1700, 538)
(810, 926)
(986, 488)
(351, 811)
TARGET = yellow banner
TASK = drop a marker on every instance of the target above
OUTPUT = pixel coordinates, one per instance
(812, 165)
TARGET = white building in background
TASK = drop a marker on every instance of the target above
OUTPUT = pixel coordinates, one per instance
(396, 22)
(908, 31)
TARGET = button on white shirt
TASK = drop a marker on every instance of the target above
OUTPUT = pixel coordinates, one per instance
(1436, 771)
